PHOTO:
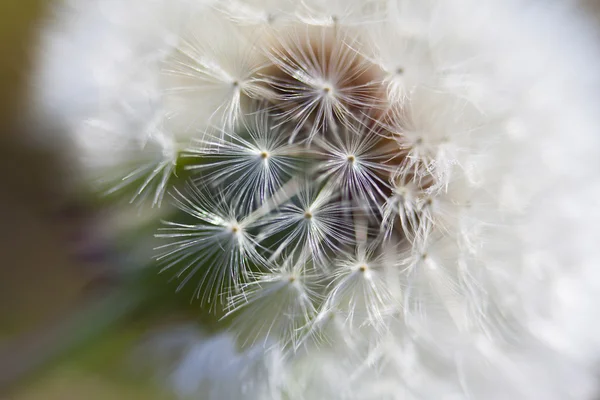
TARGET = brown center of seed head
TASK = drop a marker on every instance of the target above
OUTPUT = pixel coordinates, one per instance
(315, 53)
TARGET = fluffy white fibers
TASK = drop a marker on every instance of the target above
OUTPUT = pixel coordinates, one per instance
(388, 199)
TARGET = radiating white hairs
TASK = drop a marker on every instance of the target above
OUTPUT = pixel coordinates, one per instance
(382, 199)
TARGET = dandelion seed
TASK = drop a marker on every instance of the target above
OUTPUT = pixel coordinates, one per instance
(359, 289)
(406, 204)
(250, 164)
(404, 58)
(261, 14)
(211, 73)
(275, 305)
(356, 161)
(313, 221)
(431, 278)
(319, 80)
(432, 147)
(150, 158)
(216, 249)
(336, 13)
(403, 205)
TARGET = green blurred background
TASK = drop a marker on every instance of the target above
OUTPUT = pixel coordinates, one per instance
(40, 286)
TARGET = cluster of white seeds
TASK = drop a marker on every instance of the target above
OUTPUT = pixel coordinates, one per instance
(383, 199)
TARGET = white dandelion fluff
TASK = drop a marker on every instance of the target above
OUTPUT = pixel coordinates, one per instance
(355, 160)
(404, 57)
(117, 161)
(275, 305)
(211, 71)
(337, 13)
(319, 79)
(313, 221)
(386, 199)
(215, 250)
(258, 14)
(362, 290)
(404, 205)
(251, 162)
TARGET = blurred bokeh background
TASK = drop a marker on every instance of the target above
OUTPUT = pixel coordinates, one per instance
(41, 286)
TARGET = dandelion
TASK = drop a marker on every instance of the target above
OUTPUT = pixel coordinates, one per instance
(381, 199)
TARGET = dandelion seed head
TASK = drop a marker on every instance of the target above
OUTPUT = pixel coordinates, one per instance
(381, 199)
